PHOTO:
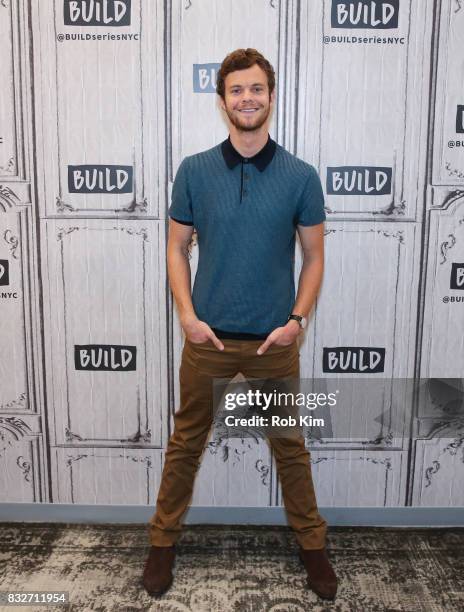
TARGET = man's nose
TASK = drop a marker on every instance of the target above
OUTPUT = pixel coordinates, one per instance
(246, 96)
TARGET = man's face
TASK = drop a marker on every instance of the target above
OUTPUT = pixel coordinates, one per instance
(246, 98)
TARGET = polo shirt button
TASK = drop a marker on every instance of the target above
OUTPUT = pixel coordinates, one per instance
(245, 192)
(246, 177)
(245, 161)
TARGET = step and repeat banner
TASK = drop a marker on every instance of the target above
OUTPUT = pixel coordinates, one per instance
(100, 102)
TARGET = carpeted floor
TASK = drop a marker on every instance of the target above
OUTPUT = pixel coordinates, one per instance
(234, 569)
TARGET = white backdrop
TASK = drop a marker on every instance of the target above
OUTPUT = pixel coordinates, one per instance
(100, 101)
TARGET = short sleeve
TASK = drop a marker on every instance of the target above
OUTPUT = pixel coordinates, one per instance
(310, 210)
(181, 201)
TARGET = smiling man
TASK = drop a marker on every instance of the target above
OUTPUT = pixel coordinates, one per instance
(246, 197)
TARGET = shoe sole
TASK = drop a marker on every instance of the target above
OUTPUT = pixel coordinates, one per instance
(158, 593)
(313, 588)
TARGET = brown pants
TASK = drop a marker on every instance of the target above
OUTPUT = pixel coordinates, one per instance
(201, 363)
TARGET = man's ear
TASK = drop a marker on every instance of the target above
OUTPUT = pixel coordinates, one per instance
(273, 95)
(221, 102)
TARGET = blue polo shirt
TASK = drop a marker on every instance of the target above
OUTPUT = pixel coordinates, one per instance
(245, 212)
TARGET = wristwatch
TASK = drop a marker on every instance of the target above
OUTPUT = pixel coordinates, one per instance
(301, 320)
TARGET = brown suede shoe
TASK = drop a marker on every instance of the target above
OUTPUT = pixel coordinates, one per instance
(157, 575)
(321, 576)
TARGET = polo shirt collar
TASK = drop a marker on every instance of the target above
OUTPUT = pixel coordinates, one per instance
(261, 160)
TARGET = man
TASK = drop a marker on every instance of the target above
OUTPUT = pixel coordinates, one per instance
(245, 197)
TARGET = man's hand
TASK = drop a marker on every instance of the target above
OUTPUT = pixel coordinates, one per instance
(198, 331)
(281, 336)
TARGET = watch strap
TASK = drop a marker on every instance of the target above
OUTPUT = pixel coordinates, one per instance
(295, 317)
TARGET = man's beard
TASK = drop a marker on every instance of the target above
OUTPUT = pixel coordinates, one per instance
(251, 127)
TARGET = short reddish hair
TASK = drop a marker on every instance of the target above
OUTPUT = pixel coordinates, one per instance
(240, 59)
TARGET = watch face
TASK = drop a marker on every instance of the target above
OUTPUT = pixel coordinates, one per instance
(303, 322)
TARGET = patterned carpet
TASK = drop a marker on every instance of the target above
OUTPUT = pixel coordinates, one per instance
(235, 569)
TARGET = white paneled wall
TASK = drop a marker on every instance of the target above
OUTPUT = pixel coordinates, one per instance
(97, 110)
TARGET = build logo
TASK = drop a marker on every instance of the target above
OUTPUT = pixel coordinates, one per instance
(366, 14)
(105, 357)
(100, 179)
(4, 272)
(97, 12)
(359, 180)
(353, 359)
(204, 77)
(457, 276)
